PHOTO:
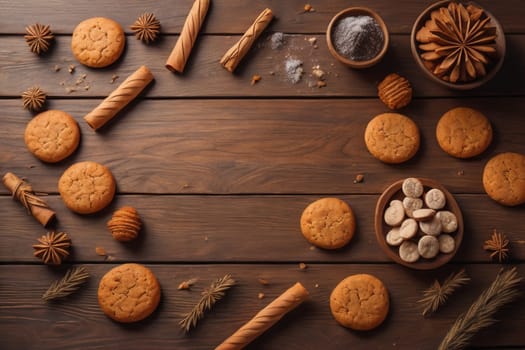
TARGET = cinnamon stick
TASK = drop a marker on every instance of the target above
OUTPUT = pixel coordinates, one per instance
(181, 52)
(266, 318)
(24, 193)
(235, 54)
(119, 98)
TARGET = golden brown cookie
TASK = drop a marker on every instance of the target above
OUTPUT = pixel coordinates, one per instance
(328, 223)
(392, 138)
(86, 187)
(129, 293)
(395, 91)
(360, 302)
(52, 136)
(463, 132)
(504, 178)
(98, 42)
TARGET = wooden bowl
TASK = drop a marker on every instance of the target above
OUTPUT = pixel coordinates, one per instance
(394, 192)
(357, 11)
(492, 70)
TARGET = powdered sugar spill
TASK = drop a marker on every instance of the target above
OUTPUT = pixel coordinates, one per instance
(294, 69)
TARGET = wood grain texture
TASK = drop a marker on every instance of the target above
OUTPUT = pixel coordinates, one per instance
(230, 17)
(78, 321)
(250, 228)
(205, 77)
(220, 171)
(256, 146)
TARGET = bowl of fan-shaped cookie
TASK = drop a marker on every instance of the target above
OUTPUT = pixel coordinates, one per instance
(418, 223)
(458, 45)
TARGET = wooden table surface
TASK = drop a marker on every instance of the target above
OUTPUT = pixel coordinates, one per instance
(220, 171)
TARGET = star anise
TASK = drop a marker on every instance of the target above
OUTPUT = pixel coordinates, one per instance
(38, 37)
(498, 244)
(457, 42)
(53, 247)
(34, 98)
(146, 27)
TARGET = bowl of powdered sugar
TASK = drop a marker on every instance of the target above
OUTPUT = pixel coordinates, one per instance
(357, 37)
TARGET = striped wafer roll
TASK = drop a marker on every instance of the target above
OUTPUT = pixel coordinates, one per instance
(235, 54)
(180, 53)
(266, 318)
(119, 98)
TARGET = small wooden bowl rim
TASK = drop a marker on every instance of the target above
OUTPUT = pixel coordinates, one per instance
(500, 47)
(357, 11)
(394, 192)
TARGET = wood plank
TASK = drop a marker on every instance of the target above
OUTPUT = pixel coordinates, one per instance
(232, 17)
(256, 146)
(29, 323)
(237, 228)
(205, 77)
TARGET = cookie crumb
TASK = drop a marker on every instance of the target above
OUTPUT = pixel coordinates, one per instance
(321, 84)
(56, 68)
(185, 285)
(318, 73)
(359, 178)
(263, 281)
(255, 79)
(114, 77)
(260, 296)
(70, 90)
(312, 40)
(71, 68)
(316, 285)
(461, 172)
(100, 251)
(302, 266)
(312, 247)
(308, 8)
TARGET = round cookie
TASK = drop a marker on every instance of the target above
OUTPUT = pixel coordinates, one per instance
(52, 136)
(360, 302)
(98, 42)
(86, 187)
(328, 223)
(463, 132)
(392, 138)
(504, 178)
(128, 293)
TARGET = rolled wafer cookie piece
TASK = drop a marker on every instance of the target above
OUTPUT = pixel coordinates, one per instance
(181, 52)
(266, 318)
(119, 98)
(235, 54)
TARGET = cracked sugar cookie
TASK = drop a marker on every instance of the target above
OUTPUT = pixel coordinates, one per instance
(360, 302)
(98, 42)
(52, 136)
(328, 223)
(392, 138)
(129, 293)
(87, 187)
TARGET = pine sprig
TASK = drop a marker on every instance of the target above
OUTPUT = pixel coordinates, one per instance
(503, 290)
(437, 294)
(72, 280)
(209, 297)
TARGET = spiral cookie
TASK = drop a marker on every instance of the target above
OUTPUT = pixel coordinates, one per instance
(98, 42)
(129, 293)
(328, 223)
(360, 302)
(52, 136)
(392, 138)
(87, 187)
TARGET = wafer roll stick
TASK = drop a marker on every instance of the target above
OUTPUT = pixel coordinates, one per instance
(34, 205)
(266, 318)
(119, 98)
(235, 54)
(181, 52)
